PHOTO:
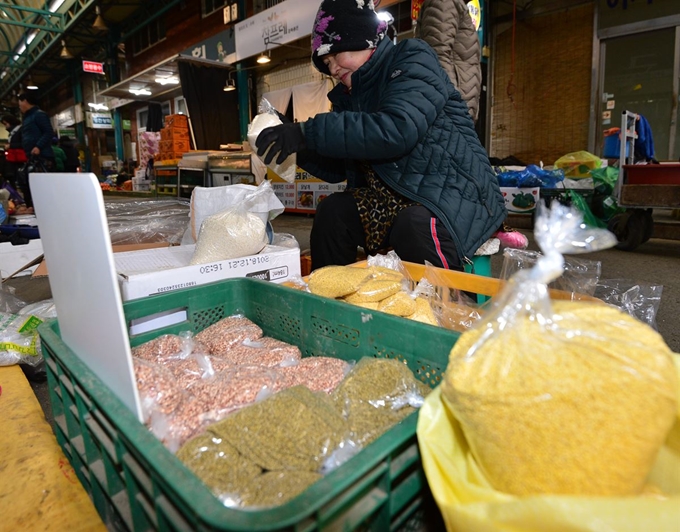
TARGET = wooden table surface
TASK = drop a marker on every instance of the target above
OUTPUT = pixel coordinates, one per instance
(38, 489)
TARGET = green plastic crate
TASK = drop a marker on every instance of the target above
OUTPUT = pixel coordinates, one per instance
(136, 484)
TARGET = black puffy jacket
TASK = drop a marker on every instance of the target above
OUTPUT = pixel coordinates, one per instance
(405, 117)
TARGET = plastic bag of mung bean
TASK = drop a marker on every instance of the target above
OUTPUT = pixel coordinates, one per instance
(561, 397)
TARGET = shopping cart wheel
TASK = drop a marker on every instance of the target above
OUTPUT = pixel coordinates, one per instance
(629, 228)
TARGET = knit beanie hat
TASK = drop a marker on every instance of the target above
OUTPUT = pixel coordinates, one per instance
(345, 25)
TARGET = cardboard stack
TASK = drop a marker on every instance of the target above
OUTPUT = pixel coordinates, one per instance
(148, 146)
(174, 138)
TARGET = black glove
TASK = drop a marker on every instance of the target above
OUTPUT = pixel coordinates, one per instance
(283, 139)
(284, 119)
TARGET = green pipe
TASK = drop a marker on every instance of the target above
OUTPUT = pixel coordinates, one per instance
(118, 131)
(243, 102)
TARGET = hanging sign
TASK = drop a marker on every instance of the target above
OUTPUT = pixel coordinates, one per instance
(415, 9)
(65, 118)
(475, 13)
(285, 22)
(215, 48)
(93, 67)
(99, 120)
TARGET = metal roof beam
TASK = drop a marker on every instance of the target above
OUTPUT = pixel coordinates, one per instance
(4, 34)
(29, 21)
(69, 14)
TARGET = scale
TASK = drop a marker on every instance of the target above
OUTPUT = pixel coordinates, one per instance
(83, 279)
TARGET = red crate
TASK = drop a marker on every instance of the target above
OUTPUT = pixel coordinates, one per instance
(652, 174)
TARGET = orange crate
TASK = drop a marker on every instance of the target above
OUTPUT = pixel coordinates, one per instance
(176, 121)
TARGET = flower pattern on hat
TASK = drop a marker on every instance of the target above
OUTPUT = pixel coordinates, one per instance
(320, 26)
(345, 25)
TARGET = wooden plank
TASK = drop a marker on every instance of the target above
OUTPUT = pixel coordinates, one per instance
(667, 230)
(662, 196)
(478, 284)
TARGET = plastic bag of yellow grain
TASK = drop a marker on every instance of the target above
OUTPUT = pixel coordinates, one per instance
(468, 502)
(566, 405)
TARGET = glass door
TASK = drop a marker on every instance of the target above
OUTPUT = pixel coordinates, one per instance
(640, 75)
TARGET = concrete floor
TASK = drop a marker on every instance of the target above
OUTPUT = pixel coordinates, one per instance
(656, 262)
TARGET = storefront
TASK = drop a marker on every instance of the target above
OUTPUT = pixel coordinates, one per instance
(639, 69)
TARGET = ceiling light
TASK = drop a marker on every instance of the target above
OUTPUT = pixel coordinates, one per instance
(65, 54)
(30, 85)
(169, 80)
(230, 86)
(264, 58)
(141, 92)
(385, 16)
(98, 106)
(55, 5)
(99, 23)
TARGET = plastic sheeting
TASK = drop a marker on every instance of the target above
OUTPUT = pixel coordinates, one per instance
(146, 221)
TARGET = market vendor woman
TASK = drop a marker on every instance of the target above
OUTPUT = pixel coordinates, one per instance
(418, 179)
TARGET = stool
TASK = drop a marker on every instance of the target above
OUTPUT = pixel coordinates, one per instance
(481, 265)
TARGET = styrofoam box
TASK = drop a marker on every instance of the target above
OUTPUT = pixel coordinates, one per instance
(141, 185)
(521, 199)
(156, 271)
(13, 258)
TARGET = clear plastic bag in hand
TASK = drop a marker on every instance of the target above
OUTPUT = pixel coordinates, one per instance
(267, 117)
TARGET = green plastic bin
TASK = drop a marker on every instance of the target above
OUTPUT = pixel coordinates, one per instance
(137, 484)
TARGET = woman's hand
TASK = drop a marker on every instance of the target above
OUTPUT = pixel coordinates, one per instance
(284, 139)
(35, 151)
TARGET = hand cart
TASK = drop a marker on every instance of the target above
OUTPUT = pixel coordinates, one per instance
(640, 189)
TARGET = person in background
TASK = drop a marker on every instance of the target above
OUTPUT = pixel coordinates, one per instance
(59, 156)
(36, 130)
(72, 161)
(418, 179)
(15, 156)
(36, 139)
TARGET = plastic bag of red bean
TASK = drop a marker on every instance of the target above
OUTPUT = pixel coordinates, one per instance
(319, 374)
(158, 388)
(229, 331)
(265, 351)
(168, 347)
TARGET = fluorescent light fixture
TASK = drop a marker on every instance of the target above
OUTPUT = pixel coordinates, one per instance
(4, 73)
(169, 80)
(98, 106)
(21, 49)
(141, 92)
(31, 36)
(56, 4)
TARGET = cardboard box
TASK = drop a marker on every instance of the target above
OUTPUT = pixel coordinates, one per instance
(41, 270)
(14, 258)
(156, 271)
(521, 199)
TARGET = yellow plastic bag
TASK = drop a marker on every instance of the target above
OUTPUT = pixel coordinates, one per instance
(578, 164)
(468, 502)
